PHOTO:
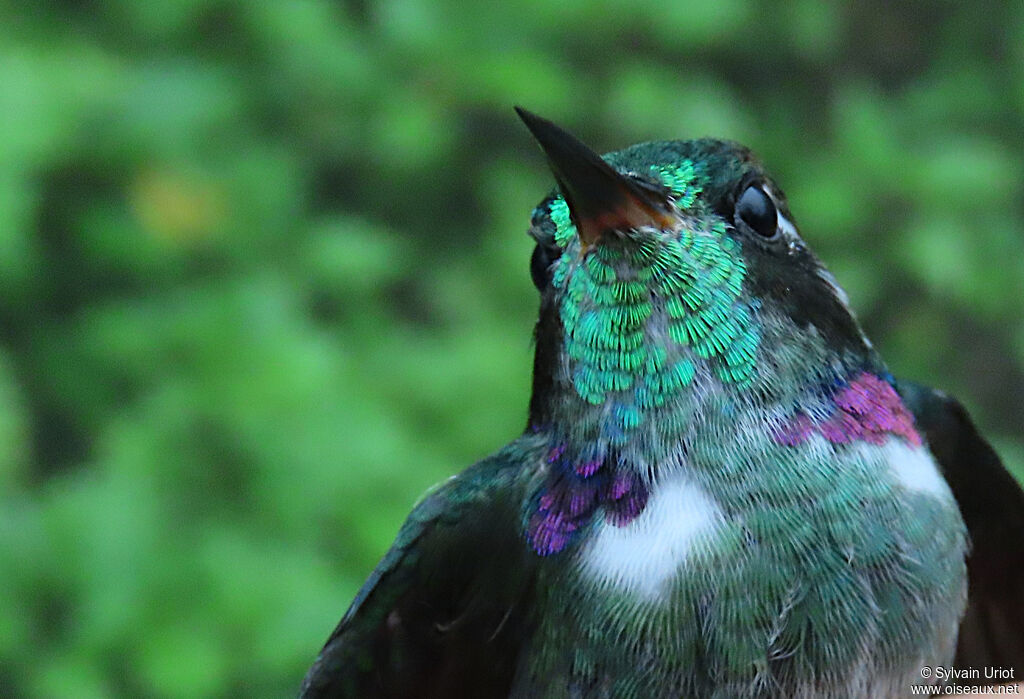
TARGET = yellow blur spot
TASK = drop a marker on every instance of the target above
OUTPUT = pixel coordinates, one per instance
(176, 207)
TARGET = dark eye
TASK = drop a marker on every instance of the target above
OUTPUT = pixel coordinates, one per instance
(540, 265)
(757, 210)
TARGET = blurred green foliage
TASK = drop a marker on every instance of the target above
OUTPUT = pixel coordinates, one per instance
(263, 276)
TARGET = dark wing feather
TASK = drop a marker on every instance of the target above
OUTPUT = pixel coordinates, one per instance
(992, 504)
(445, 611)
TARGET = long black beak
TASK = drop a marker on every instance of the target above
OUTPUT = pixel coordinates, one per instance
(599, 198)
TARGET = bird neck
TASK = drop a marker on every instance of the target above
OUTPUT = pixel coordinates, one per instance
(627, 327)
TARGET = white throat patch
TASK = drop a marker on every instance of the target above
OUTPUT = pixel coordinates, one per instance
(641, 557)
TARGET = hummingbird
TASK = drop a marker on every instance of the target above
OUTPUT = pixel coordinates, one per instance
(721, 490)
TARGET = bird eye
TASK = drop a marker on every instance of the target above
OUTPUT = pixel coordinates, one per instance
(757, 210)
(540, 265)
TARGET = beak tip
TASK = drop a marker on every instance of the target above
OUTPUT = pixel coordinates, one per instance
(540, 127)
(598, 196)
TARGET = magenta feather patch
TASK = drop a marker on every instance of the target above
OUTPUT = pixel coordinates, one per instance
(866, 409)
(574, 493)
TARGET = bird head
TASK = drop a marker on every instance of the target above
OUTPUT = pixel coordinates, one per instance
(671, 271)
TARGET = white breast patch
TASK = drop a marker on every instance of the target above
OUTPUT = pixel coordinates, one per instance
(642, 556)
(915, 468)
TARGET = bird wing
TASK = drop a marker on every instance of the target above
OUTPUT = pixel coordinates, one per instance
(992, 504)
(444, 611)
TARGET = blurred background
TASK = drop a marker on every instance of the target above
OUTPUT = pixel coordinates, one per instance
(264, 277)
